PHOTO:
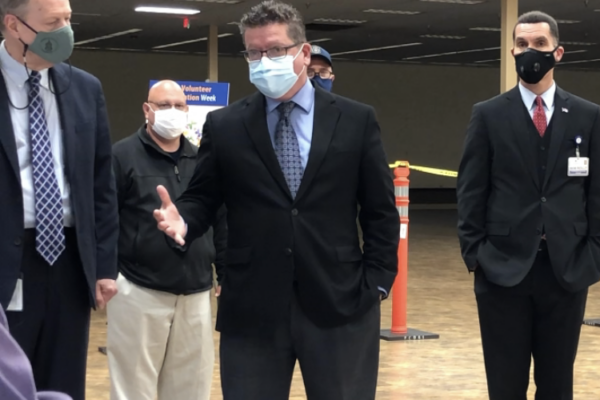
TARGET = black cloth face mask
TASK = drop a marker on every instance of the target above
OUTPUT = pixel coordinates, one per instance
(533, 65)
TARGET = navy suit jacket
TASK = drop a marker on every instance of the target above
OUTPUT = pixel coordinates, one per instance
(88, 169)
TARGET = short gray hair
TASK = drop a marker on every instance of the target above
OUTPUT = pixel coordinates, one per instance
(274, 12)
(10, 7)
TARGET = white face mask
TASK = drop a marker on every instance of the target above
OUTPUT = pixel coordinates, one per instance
(274, 78)
(169, 123)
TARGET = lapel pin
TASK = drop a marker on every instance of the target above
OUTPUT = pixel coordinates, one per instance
(565, 110)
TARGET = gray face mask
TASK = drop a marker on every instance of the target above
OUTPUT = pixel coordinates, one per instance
(54, 47)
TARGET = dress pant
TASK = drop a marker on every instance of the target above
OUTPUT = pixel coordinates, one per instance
(53, 328)
(159, 344)
(337, 364)
(535, 318)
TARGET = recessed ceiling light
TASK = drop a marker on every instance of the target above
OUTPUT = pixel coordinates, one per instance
(216, 1)
(319, 40)
(578, 43)
(112, 35)
(486, 29)
(87, 14)
(397, 12)
(575, 51)
(454, 1)
(167, 10)
(339, 21)
(451, 53)
(580, 61)
(396, 46)
(442, 37)
(567, 21)
(487, 61)
(202, 39)
(233, 23)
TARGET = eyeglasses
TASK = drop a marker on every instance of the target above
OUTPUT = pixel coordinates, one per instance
(273, 53)
(166, 106)
(325, 74)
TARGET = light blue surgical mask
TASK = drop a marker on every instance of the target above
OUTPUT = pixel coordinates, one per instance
(274, 78)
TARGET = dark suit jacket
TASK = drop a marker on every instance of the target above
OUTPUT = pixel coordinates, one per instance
(277, 244)
(88, 169)
(503, 206)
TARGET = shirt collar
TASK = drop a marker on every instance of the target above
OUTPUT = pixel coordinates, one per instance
(16, 72)
(304, 98)
(529, 97)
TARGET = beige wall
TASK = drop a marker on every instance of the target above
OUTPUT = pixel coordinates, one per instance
(422, 110)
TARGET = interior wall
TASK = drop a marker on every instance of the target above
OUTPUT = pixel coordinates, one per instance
(423, 110)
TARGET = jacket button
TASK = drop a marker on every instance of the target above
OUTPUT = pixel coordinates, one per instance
(543, 199)
(295, 212)
(288, 252)
(17, 242)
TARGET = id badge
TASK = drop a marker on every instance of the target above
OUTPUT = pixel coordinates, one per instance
(578, 166)
(16, 303)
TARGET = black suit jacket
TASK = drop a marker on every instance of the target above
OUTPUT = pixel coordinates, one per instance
(503, 206)
(88, 169)
(277, 244)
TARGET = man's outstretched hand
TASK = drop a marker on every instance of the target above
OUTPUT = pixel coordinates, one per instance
(168, 218)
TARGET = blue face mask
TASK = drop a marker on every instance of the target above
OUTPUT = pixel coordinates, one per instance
(274, 78)
(323, 83)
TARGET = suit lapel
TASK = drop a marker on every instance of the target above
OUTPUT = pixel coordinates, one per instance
(7, 134)
(560, 120)
(326, 116)
(514, 113)
(255, 120)
(61, 81)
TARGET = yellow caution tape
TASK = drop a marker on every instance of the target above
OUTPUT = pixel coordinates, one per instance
(427, 170)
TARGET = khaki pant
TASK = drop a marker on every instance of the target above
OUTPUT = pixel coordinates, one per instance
(159, 344)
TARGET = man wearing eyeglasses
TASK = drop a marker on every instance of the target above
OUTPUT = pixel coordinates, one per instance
(320, 70)
(160, 341)
(292, 163)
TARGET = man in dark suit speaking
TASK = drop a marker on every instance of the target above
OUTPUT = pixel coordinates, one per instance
(529, 219)
(292, 163)
(58, 201)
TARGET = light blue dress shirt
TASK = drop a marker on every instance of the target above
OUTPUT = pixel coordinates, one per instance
(302, 118)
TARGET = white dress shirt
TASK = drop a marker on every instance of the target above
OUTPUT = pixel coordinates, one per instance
(547, 97)
(15, 76)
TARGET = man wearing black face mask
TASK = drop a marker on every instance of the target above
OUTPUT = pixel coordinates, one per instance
(529, 219)
(320, 69)
(58, 201)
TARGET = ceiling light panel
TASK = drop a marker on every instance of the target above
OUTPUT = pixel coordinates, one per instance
(167, 10)
(202, 39)
(452, 53)
(396, 46)
(567, 21)
(485, 29)
(468, 2)
(339, 21)
(578, 43)
(443, 37)
(396, 12)
(319, 40)
(112, 35)
(216, 1)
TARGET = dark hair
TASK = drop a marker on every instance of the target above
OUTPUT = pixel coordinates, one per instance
(11, 7)
(538, 17)
(274, 12)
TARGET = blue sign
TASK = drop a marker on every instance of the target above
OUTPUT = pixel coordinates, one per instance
(204, 93)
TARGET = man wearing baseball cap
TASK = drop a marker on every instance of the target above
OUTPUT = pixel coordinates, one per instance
(320, 69)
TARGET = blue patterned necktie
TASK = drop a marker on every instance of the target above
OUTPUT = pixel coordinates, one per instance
(50, 236)
(287, 148)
